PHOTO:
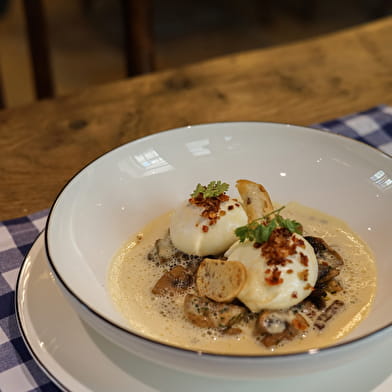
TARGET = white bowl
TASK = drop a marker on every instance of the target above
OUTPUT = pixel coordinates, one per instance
(120, 192)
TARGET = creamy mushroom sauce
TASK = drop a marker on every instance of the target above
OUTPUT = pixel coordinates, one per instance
(132, 276)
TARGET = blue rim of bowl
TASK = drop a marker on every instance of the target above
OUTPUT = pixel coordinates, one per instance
(97, 314)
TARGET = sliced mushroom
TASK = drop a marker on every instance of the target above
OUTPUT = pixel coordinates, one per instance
(176, 280)
(271, 322)
(324, 253)
(326, 273)
(326, 282)
(333, 286)
(309, 309)
(317, 298)
(164, 252)
(206, 313)
(256, 199)
(165, 249)
(220, 280)
(232, 331)
(328, 313)
(276, 326)
(275, 339)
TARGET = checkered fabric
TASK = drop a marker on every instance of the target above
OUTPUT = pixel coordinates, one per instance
(18, 371)
(373, 127)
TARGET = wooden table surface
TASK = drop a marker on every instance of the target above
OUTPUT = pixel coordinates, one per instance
(42, 145)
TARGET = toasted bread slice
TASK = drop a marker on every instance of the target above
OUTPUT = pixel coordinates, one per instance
(220, 280)
(256, 199)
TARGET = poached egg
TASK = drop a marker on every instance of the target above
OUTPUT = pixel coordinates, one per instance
(197, 235)
(279, 283)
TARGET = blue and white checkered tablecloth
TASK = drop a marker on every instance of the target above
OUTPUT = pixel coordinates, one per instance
(18, 371)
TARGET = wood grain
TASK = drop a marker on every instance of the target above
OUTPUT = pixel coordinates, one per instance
(42, 145)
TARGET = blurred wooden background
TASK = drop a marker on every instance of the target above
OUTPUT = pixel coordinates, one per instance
(85, 35)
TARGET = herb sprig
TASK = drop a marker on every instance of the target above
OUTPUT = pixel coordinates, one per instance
(213, 189)
(260, 229)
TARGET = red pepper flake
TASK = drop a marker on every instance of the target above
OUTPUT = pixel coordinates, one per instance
(205, 228)
(274, 278)
(294, 294)
(303, 259)
(237, 204)
(290, 271)
(230, 207)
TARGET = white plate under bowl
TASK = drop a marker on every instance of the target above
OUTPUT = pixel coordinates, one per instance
(78, 359)
(116, 195)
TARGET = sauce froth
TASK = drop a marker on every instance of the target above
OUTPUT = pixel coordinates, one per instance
(132, 276)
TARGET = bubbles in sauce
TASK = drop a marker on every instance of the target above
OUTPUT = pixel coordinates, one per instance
(132, 276)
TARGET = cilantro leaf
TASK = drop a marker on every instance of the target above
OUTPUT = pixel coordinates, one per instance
(292, 225)
(213, 189)
(241, 232)
(199, 189)
(262, 233)
(260, 229)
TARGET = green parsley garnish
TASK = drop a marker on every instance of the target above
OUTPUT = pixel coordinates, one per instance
(260, 229)
(213, 189)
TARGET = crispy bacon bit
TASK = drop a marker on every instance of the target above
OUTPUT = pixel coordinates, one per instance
(205, 228)
(274, 277)
(210, 205)
(280, 245)
(304, 260)
(303, 275)
(277, 248)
